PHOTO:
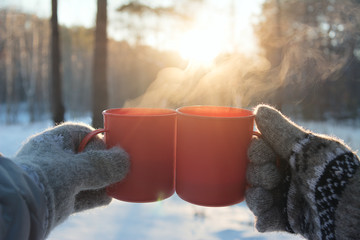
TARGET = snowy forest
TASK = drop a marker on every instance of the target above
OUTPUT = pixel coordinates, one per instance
(307, 62)
(302, 56)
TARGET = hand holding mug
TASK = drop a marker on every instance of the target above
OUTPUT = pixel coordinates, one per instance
(71, 181)
(302, 182)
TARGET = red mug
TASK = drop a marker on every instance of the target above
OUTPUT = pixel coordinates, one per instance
(211, 154)
(148, 136)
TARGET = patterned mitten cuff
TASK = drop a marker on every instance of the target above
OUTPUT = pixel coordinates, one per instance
(316, 174)
(321, 169)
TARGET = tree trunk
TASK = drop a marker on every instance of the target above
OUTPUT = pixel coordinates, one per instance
(99, 80)
(9, 68)
(278, 101)
(56, 84)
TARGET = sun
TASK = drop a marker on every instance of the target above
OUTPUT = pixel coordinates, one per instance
(201, 45)
(213, 33)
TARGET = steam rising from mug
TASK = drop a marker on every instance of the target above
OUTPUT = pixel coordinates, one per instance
(236, 81)
(223, 84)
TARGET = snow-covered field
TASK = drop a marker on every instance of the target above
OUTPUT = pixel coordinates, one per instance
(170, 219)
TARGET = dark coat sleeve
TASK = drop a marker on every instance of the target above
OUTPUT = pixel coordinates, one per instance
(22, 204)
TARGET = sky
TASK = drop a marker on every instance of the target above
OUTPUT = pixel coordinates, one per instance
(78, 12)
(211, 33)
(82, 12)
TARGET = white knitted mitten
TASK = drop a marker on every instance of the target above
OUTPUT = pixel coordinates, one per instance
(71, 181)
(302, 182)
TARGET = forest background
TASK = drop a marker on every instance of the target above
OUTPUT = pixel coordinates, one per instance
(306, 61)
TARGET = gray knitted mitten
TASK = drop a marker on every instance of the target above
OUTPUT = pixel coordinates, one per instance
(302, 182)
(71, 181)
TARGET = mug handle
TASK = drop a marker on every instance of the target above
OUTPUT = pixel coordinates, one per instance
(88, 137)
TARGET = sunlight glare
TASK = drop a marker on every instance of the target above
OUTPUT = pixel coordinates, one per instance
(201, 45)
(215, 31)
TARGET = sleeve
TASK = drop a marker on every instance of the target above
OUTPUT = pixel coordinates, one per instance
(22, 204)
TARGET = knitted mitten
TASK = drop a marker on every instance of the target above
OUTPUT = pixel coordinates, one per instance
(71, 181)
(302, 182)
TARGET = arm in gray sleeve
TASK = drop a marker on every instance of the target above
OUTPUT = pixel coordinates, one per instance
(52, 180)
(23, 208)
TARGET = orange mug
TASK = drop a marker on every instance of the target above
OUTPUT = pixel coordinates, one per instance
(211, 154)
(148, 136)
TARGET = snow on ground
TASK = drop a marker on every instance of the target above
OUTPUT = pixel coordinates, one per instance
(173, 218)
